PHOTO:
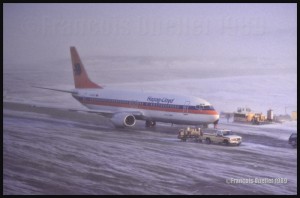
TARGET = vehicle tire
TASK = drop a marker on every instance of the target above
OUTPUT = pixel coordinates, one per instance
(294, 144)
(207, 141)
(226, 142)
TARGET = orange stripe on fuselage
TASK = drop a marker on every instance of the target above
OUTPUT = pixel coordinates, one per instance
(153, 108)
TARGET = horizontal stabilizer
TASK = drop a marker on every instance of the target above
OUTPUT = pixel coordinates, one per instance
(66, 91)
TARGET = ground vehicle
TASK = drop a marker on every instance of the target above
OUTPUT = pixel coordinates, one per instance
(223, 136)
(187, 133)
(293, 140)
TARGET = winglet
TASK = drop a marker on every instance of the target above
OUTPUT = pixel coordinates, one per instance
(81, 78)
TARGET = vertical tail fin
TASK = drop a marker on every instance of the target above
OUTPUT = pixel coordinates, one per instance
(81, 78)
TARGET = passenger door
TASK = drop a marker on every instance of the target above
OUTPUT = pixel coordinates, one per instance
(186, 107)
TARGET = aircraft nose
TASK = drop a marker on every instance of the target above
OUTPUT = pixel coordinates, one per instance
(216, 117)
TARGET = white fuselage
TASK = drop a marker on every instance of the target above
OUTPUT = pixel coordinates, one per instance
(161, 107)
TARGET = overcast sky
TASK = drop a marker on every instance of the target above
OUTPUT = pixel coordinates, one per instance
(42, 32)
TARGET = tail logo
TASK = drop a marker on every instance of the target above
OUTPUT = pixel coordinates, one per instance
(77, 69)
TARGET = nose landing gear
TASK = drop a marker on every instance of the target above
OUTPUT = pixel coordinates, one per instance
(216, 123)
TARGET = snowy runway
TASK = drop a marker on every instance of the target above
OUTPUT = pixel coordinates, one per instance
(53, 152)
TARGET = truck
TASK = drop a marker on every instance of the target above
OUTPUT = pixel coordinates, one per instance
(219, 136)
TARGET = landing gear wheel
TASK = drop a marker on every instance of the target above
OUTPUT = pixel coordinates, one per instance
(226, 142)
(150, 123)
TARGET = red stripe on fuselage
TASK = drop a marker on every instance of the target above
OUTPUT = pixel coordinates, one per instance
(154, 108)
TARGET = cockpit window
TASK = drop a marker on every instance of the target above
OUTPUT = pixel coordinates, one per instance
(204, 107)
(208, 107)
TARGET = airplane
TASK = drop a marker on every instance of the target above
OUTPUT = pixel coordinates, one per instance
(124, 107)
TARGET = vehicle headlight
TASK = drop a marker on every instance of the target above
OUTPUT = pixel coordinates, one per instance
(235, 139)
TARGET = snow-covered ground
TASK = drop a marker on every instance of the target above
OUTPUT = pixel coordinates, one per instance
(51, 153)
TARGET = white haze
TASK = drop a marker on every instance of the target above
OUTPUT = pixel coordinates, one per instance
(230, 54)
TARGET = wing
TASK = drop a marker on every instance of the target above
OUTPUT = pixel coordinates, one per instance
(137, 114)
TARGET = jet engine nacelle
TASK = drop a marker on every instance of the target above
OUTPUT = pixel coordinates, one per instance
(123, 120)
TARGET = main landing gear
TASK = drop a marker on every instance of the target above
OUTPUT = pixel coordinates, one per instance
(150, 123)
